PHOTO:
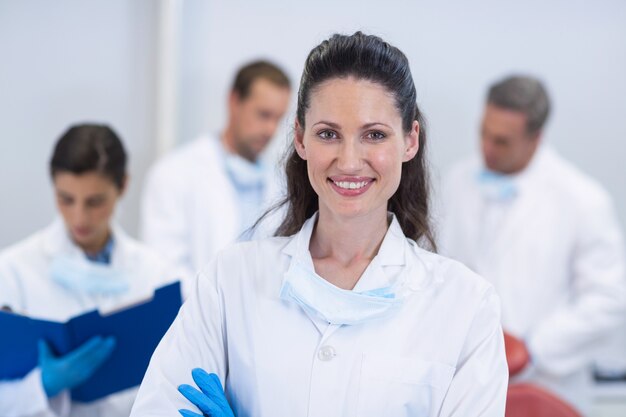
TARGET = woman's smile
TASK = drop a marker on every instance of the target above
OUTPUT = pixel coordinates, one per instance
(351, 186)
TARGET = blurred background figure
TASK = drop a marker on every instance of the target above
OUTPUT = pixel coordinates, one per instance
(544, 233)
(79, 263)
(206, 194)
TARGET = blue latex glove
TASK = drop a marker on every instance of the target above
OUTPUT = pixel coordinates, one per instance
(74, 368)
(211, 401)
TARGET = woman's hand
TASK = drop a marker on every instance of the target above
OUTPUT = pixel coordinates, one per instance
(211, 400)
(59, 373)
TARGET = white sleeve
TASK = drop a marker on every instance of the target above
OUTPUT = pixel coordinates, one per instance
(196, 339)
(480, 381)
(11, 294)
(566, 340)
(26, 397)
(163, 218)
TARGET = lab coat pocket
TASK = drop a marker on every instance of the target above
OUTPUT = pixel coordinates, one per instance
(400, 386)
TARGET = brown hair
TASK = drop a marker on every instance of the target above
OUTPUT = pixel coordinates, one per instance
(369, 58)
(248, 74)
(90, 147)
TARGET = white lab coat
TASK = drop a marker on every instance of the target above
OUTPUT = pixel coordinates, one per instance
(441, 354)
(26, 287)
(189, 206)
(555, 255)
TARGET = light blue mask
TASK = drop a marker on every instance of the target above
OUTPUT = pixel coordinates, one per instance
(243, 173)
(83, 276)
(335, 305)
(497, 187)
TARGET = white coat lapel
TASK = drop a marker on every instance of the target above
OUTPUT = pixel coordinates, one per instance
(215, 209)
(57, 241)
(513, 218)
(379, 293)
(518, 215)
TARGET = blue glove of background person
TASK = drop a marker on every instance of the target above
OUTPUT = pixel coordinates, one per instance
(74, 368)
(211, 401)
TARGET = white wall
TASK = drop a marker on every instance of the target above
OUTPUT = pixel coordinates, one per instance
(456, 49)
(63, 62)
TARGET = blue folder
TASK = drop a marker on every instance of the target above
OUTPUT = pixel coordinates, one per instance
(137, 330)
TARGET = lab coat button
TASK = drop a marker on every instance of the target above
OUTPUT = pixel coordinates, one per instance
(326, 353)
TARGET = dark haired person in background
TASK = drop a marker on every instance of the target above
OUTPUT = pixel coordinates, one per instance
(345, 312)
(204, 195)
(79, 263)
(544, 234)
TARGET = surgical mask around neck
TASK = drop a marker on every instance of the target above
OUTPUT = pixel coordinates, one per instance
(335, 305)
(243, 173)
(497, 187)
(80, 275)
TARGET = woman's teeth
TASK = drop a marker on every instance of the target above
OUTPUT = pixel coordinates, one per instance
(348, 185)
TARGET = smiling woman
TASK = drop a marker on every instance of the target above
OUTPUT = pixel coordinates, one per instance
(361, 152)
(386, 92)
(343, 313)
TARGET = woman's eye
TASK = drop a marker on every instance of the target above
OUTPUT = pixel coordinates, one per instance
(327, 134)
(376, 135)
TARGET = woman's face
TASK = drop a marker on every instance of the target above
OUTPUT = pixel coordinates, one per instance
(354, 146)
(86, 202)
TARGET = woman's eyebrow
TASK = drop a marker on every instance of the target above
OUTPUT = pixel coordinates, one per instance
(368, 125)
(337, 126)
(63, 194)
(96, 197)
(324, 122)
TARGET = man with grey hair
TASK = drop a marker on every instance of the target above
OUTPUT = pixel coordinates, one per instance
(544, 233)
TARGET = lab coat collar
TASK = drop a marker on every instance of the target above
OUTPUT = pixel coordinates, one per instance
(392, 252)
(525, 180)
(243, 174)
(57, 241)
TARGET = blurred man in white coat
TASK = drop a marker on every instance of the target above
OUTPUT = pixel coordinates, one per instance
(544, 233)
(204, 195)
